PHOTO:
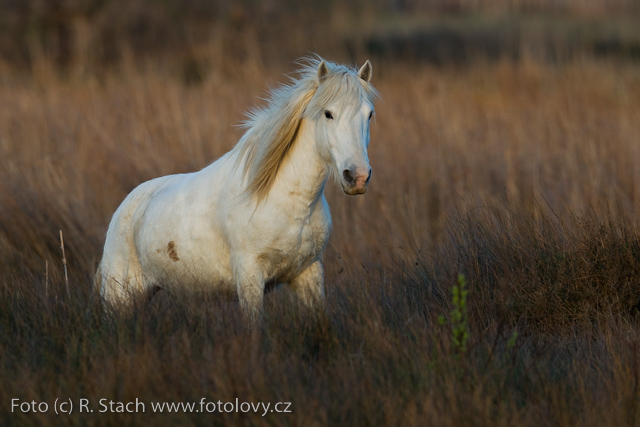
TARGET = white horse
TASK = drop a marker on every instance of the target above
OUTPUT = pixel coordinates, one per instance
(258, 215)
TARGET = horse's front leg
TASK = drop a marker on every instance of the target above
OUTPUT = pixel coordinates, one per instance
(309, 285)
(250, 287)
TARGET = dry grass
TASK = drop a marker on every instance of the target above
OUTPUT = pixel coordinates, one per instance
(521, 175)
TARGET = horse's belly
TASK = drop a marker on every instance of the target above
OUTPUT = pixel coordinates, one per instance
(196, 262)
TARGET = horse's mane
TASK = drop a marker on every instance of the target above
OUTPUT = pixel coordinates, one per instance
(272, 130)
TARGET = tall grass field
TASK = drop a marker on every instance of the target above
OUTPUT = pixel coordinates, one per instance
(489, 276)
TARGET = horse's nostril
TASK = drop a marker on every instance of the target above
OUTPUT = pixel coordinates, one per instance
(349, 176)
(368, 177)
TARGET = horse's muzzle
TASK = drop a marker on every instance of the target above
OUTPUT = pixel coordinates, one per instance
(355, 180)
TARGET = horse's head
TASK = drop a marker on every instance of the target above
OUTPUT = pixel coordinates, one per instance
(342, 108)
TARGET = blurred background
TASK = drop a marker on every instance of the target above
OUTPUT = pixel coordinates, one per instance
(193, 39)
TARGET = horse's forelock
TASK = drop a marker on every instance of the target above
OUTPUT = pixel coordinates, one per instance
(342, 86)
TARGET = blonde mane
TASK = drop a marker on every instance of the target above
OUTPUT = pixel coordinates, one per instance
(272, 130)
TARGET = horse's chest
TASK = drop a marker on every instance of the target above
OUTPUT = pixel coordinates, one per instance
(295, 248)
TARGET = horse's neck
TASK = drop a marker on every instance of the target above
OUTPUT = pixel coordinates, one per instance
(303, 173)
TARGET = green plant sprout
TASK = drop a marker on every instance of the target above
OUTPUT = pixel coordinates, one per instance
(459, 317)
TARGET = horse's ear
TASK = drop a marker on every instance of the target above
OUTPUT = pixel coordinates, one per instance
(323, 70)
(366, 72)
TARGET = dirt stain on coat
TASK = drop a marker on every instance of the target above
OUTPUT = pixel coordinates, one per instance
(172, 251)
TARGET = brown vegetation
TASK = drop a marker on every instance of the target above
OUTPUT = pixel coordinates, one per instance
(522, 174)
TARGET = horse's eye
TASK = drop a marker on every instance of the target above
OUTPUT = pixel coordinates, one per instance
(370, 115)
(328, 114)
